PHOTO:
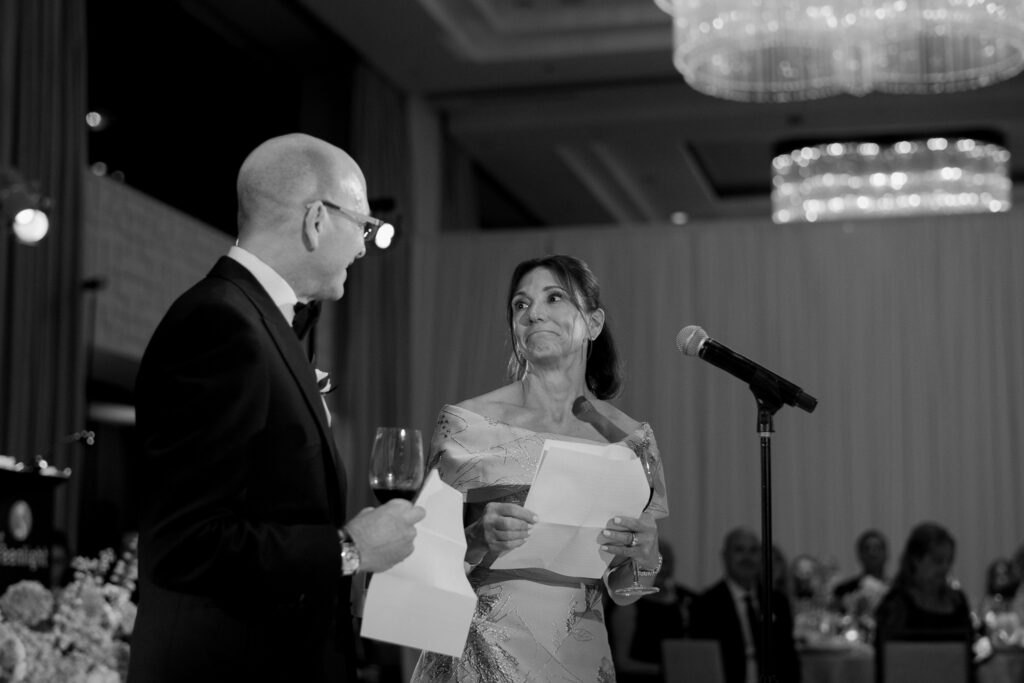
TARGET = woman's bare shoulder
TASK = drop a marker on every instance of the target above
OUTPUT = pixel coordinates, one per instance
(495, 404)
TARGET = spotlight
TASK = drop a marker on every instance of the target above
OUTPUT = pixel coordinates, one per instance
(384, 235)
(22, 208)
(97, 121)
(386, 231)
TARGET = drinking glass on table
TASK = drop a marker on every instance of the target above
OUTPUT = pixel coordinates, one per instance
(396, 463)
(637, 588)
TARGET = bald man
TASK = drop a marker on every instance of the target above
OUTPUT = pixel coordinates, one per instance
(246, 549)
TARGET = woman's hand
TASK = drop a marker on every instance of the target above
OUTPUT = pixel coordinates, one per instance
(631, 538)
(503, 526)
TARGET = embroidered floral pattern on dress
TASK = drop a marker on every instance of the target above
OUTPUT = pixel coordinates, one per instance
(485, 659)
(575, 626)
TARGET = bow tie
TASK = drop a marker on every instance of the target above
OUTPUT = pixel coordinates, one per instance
(305, 318)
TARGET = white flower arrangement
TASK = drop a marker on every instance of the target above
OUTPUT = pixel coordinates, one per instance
(323, 380)
(80, 634)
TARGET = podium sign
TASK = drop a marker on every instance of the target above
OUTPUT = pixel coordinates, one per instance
(26, 525)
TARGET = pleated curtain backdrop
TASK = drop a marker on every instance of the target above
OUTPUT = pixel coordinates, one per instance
(371, 322)
(909, 332)
(43, 135)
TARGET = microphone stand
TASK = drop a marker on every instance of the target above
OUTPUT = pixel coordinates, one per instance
(769, 400)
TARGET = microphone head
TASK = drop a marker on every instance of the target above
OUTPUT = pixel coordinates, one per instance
(690, 339)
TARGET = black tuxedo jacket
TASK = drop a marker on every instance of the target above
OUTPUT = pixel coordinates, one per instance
(713, 616)
(243, 493)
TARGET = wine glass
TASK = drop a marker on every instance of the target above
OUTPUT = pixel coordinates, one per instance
(396, 463)
(637, 588)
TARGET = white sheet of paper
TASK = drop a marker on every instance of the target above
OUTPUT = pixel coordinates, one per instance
(425, 601)
(577, 489)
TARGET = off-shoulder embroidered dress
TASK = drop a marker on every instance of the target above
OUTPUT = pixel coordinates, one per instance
(530, 625)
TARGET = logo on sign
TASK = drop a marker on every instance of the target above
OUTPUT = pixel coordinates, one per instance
(19, 520)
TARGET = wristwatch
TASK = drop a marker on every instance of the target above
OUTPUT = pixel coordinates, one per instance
(349, 555)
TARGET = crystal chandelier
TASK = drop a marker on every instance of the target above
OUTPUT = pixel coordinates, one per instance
(844, 180)
(786, 50)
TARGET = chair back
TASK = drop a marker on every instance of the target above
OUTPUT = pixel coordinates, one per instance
(688, 660)
(935, 662)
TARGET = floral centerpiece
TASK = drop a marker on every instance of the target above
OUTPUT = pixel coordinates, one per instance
(78, 633)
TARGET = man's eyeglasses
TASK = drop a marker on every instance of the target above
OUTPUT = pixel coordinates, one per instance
(374, 229)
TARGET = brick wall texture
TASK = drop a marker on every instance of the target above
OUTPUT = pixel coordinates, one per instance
(147, 253)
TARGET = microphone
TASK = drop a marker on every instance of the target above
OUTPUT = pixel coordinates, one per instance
(584, 410)
(694, 341)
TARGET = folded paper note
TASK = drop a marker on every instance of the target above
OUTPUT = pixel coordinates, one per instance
(425, 601)
(577, 489)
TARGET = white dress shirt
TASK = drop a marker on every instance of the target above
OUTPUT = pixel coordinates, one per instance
(739, 595)
(277, 287)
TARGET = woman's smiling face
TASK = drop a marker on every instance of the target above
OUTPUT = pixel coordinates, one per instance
(546, 321)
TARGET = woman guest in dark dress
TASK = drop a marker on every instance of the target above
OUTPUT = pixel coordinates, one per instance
(923, 605)
(638, 629)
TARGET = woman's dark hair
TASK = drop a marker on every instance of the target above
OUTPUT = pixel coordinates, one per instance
(924, 538)
(603, 375)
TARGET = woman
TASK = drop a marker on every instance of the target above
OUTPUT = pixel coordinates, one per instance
(533, 624)
(1001, 583)
(995, 608)
(923, 604)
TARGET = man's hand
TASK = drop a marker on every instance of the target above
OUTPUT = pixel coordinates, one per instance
(384, 535)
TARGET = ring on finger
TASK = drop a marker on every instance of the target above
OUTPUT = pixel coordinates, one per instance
(633, 541)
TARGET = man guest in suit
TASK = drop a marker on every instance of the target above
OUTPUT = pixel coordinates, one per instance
(873, 554)
(246, 550)
(730, 612)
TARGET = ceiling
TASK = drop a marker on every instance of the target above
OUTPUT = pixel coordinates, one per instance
(573, 106)
(573, 111)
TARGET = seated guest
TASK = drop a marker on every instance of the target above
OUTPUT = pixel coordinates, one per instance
(638, 629)
(730, 613)
(923, 604)
(808, 581)
(1018, 598)
(861, 594)
(996, 605)
(1001, 582)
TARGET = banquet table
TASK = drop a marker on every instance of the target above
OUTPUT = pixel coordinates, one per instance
(836, 664)
(1005, 666)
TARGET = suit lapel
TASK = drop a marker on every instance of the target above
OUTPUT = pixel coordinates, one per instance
(290, 348)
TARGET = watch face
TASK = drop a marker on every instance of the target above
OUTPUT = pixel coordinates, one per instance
(349, 559)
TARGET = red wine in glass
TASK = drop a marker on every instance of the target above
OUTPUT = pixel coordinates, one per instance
(396, 463)
(384, 495)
